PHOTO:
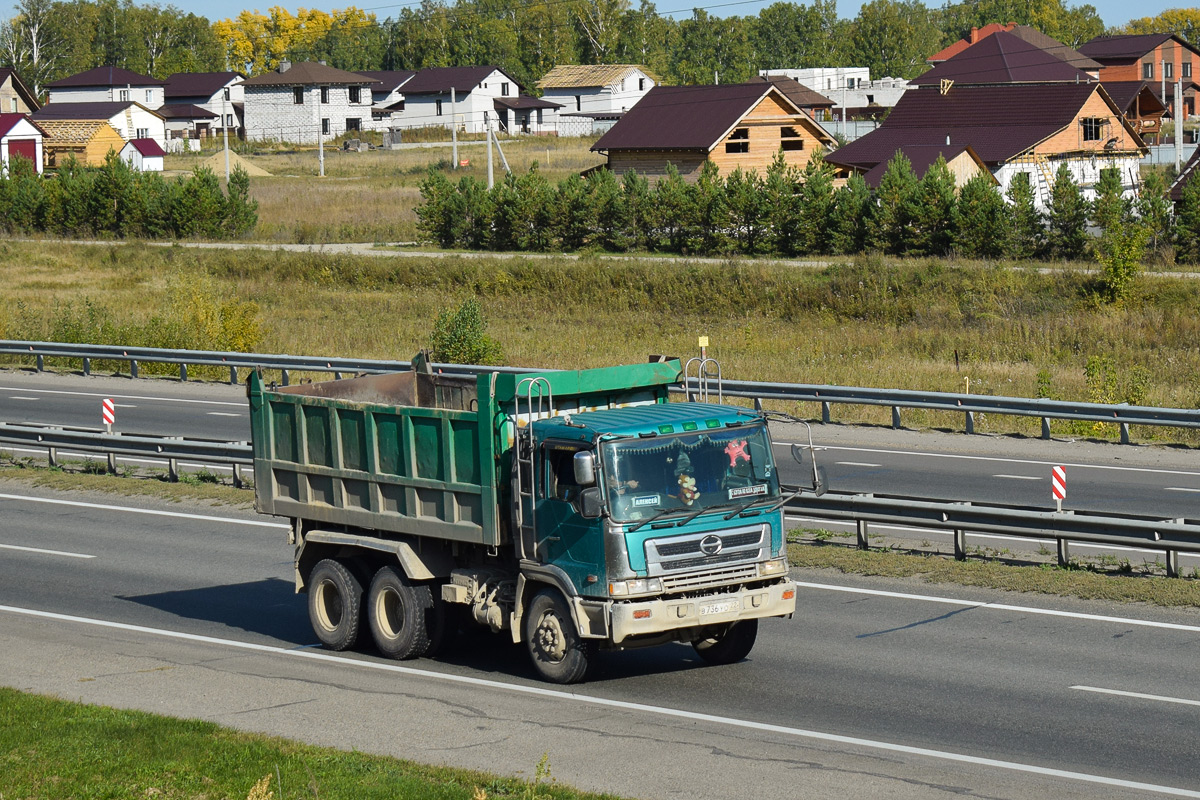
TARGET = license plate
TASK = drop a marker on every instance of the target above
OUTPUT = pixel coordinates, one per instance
(720, 607)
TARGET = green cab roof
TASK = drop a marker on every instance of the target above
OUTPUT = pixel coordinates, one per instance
(602, 380)
(657, 418)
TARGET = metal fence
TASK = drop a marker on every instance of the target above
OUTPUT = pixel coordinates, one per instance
(968, 405)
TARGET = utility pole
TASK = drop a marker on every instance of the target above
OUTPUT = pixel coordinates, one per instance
(320, 135)
(454, 128)
(843, 106)
(491, 179)
(1178, 124)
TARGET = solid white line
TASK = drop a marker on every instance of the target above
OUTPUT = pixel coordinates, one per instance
(1049, 612)
(1019, 477)
(122, 396)
(1179, 489)
(152, 512)
(1008, 460)
(18, 397)
(856, 464)
(1139, 695)
(662, 711)
(46, 552)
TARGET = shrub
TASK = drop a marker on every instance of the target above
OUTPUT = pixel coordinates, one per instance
(460, 337)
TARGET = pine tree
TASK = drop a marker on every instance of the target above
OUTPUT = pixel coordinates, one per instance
(851, 213)
(575, 216)
(935, 211)
(1110, 208)
(1027, 223)
(674, 210)
(1187, 224)
(984, 221)
(506, 222)
(474, 214)
(815, 206)
(747, 213)
(1067, 234)
(435, 215)
(781, 194)
(711, 209)
(890, 226)
(1153, 208)
(612, 216)
(535, 210)
(639, 208)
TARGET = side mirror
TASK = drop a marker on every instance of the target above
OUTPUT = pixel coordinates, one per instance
(585, 468)
(591, 506)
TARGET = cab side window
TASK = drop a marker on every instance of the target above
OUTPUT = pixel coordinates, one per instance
(560, 478)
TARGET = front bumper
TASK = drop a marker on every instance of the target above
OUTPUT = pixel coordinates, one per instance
(718, 608)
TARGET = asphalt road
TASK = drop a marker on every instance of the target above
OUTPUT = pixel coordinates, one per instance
(875, 689)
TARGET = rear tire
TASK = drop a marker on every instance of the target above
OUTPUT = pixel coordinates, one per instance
(401, 614)
(558, 652)
(731, 645)
(334, 604)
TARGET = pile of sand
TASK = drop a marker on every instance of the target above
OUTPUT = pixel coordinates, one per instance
(216, 163)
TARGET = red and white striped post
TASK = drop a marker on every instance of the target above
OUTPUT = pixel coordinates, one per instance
(108, 412)
(1058, 485)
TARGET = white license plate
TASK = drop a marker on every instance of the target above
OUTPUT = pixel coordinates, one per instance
(720, 607)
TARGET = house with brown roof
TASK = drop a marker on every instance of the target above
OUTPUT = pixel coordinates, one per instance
(594, 93)
(203, 104)
(1151, 57)
(386, 96)
(107, 85)
(1027, 34)
(88, 140)
(14, 97)
(472, 98)
(130, 120)
(1186, 175)
(961, 159)
(20, 137)
(815, 104)
(143, 155)
(1141, 105)
(305, 103)
(1013, 127)
(740, 125)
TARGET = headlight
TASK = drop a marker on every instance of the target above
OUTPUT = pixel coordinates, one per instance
(635, 587)
(777, 567)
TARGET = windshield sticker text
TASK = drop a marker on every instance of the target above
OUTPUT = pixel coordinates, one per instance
(747, 491)
(648, 500)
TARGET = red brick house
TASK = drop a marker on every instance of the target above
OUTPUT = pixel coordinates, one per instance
(1150, 57)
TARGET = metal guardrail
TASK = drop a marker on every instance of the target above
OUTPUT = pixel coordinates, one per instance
(90, 441)
(1171, 536)
(966, 404)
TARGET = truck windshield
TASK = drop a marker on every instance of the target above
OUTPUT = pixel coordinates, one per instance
(688, 471)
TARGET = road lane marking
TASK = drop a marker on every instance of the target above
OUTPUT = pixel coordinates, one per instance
(1139, 695)
(1008, 460)
(856, 464)
(1179, 489)
(1019, 477)
(152, 512)
(222, 414)
(46, 552)
(123, 396)
(19, 397)
(590, 700)
(1049, 612)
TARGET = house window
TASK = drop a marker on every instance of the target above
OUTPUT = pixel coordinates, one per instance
(14, 105)
(400, 106)
(739, 141)
(622, 84)
(641, 84)
(325, 126)
(142, 133)
(504, 89)
(355, 94)
(149, 96)
(124, 97)
(226, 92)
(1093, 129)
(298, 95)
(353, 123)
(229, 120)
(1185, 69)
(790, 139)
(578, 103)
(1168, 70)
(439, 107)
(539, 116)
(1148, 71)
(324, 94)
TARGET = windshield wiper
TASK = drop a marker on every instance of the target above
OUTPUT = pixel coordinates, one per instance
(778, 505)
(698, 512)
(661, 513)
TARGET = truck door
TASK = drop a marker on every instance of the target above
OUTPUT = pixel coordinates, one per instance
(565, 538)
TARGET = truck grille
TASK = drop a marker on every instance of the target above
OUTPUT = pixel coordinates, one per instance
(716, 577)
(674, 554)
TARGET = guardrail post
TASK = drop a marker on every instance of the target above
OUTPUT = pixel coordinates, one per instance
(112, 463)
(960, 544)
(41, 363)
(1045, 427)
(1172, 556)
(133, 368)
(970, 422)
(862, 534)
(895, 417)
(285, 377)
(233, 376)
(52, 456)
(825, 411)
(183, 372)
(1064, 553)
(758, 404)
(87, 366)
(1124, 433)
(237, 476)
(337, 376)
(173, 470)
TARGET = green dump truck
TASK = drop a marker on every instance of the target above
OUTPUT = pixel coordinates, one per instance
(575, 510)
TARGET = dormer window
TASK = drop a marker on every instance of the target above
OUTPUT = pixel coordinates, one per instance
(790, 138)
(124, 96)
(1093, 129)
(739, 141)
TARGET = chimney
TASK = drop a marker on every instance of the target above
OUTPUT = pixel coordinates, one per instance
(974, 35)
(284, 65)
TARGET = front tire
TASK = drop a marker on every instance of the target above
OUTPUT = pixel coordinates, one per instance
(558, 652)
(730, 645)
(401, 615)
(334, 604)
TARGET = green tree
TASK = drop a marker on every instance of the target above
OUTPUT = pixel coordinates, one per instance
(1120, 251)
(852, 206)
(747, 212)
(814, 201)
(1153, 208)
(792, 35)
(674, 210)
(712, 48)
(241, 212)
(506, 213)
(648, 38)
(894, 37)
(1067, 217)
(575, 217)
(890, 226)
(535, 209)
(612, 212)
(781, 194)
(639, 200)
(984, 221)
(935, 211)
(713, 205)
(1028, 226)
(1187, 224)
(1110, 209)
(473, 227)
(460, 336)
(437, 214)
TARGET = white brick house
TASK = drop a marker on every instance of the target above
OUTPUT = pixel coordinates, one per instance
(427, 98)
(305, 102)
(590, 93)
(107, 85)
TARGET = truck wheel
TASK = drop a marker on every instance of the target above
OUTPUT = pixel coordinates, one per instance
(729, 646)
(334, 604)
(559, 653)
(400, 613)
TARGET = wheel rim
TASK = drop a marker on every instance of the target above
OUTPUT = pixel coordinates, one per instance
(389, 614)
(550, 639)
(329, 605)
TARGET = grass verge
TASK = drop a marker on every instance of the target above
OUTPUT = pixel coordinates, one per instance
(50, 748)
(81, 478)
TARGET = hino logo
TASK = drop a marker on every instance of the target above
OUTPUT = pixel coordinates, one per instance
(711, 545)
